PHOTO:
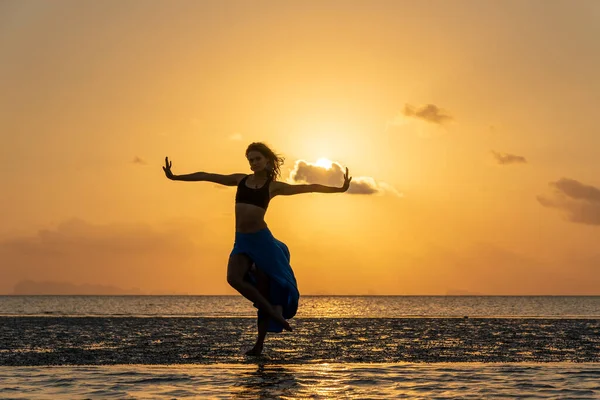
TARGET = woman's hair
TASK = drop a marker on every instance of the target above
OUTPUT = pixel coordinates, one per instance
(275, 161)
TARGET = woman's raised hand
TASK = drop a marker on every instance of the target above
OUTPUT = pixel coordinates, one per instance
(347, 181)
(167, 168)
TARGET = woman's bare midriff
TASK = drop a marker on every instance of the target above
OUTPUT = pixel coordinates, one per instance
(249, 218)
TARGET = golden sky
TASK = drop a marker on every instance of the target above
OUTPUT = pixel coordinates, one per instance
(470, 128)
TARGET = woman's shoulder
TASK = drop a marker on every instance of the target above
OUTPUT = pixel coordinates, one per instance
(275, 186)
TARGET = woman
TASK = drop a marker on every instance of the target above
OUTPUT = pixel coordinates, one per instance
(259, 265)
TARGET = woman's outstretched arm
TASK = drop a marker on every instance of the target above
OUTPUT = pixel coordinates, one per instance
(227, 180)
(284, 189)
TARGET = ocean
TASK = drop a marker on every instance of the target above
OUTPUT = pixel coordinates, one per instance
(165, 347)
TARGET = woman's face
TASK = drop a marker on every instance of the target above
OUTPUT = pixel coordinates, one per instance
(257, 161)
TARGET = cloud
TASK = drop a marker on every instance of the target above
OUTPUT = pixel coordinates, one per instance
(306, 172)
(368, 185)
(138, 160)
(162, 259)
(577, 190)
(236, 136)
(189, 257)
(507, 159)
(429, 112)
(580, 202)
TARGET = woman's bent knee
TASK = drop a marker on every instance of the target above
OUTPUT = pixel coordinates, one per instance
(238, 266)
(232, 281)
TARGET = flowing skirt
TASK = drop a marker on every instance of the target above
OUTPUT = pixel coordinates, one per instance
(272, 257)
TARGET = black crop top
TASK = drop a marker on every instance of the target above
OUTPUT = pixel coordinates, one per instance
(259, 197)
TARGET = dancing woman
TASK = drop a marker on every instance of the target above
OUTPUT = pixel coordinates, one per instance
(259, 264)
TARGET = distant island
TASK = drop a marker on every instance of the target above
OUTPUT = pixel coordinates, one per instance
(29, 287)
(460, 292)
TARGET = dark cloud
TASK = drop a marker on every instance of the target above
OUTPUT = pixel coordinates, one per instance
(305, 172)
(429, 112)
(80, 256)
(506, 158)
(138, 160)
(577, 190)
(580, 202)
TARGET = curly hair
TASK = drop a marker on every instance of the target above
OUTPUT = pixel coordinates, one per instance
(274, 161)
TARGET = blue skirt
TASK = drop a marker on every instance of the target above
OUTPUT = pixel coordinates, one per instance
(272, 257)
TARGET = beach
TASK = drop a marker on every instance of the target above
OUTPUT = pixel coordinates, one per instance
(37, 341)
(120, 347)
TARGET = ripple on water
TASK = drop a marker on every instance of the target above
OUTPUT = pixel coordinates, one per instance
(325, 380)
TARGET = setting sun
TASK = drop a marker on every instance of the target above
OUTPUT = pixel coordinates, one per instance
(324, 163)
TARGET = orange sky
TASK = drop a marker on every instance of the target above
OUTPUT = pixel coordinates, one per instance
(473, 124)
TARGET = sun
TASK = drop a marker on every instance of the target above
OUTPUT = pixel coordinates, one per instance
(324, 163)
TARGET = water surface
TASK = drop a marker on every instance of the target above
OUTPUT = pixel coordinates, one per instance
(310, 306)
(321, 381)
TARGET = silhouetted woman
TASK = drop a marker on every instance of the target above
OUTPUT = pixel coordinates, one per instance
(259, 265)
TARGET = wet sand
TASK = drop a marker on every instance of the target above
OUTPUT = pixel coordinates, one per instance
(38, 341)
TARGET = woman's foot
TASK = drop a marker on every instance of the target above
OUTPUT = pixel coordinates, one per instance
(277, 316)
(282, 321)
(286, 325)
(275, 313)
(255, 351)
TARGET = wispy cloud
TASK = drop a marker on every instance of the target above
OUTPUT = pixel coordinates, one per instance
(139, 160)
(507, 159)
(307, 172)
(580, 202)
(235, 136)
(429, 112)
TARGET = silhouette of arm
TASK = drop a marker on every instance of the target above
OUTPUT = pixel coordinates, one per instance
(227, 180)
(284, 189)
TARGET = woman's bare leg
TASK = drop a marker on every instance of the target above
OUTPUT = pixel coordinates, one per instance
(238, 266)
(262, 284)
(263, 324)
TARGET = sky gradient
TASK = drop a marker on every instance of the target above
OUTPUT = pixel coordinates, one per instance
(469, 128)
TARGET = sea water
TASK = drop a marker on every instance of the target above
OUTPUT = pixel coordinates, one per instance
(341, 347)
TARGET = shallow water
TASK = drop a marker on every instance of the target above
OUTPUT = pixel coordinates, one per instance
(310, 306)
(336, 380)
